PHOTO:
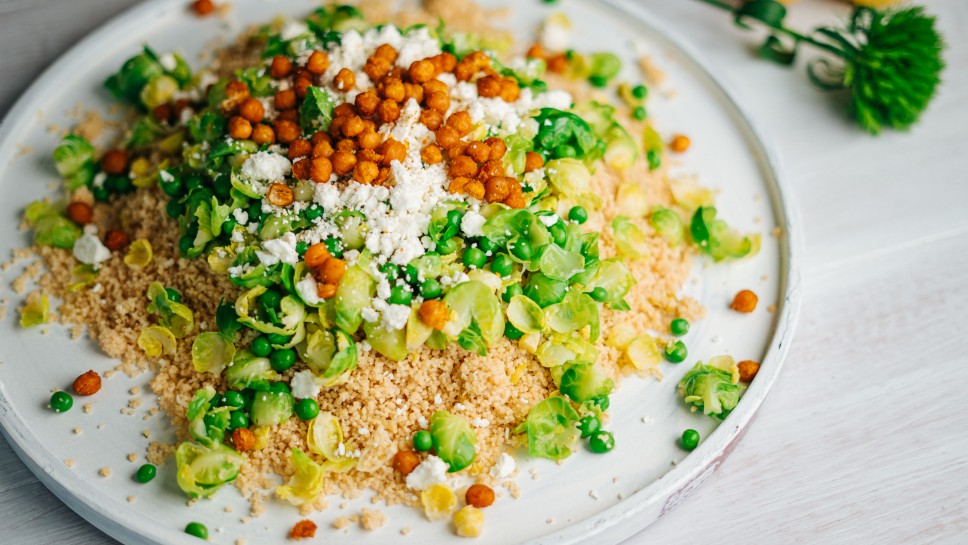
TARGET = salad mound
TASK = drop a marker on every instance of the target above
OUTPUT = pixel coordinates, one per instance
(362, 255)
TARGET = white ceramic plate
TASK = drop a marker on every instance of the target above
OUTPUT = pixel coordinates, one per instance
(608, 497)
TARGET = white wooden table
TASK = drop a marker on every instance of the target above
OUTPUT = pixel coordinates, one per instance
(864, 439)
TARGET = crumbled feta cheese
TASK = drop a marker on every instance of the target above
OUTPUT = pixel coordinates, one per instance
(472, 224)
(422, 421)
(307, 289)
(99, 179)
(480, 422)
(241, 216)
(548, 220)
(504, 467)
(429, 472)
(88, 248)
(304, 385)
(369, 314)
(279, 250)
(166, 176)
(168, 62)
(395, 317)
(555, 33)
(265, 167)
(293, 29)
(438, 400)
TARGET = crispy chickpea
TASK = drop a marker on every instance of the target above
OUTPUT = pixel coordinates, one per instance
(533, 161)
(115, 162)
(515, 200)
(432, 119)
(235, 93)
(326, 291)
(299, 147)
(422, 71)
(377, 68)
(300, 72)
(332, 270)
(343, 162)
(444, 62)
(252, 110)
(475, 189)
(320, 170)
(279, 194)
(745, 301)
(478, 59)
(344, 110)
(748, 370)
(345, 80)
(301, 168)
(366, 102)
(457, 185)
(243, 439)
(301, 86)
(115, 239)
(479, 495)
(431, 154)
(281, 67)
(162, 113)
(320, 136)
(447, 137)
(558, 64)
(389, 111)
(461, 122)
(383, 176)
(288, 115)
(393, 150)
(463, 166)
(365, 172)
(322, 149)
(318, 62)
(80, 213)
(393, 89)
(489, 86)
(369, 140)
(456, 150)
(497, 188)
(316, 255)
(414, 91)
(287, 131)
(680, 143)
(438, 101)
(510, 90)
(240, 128)
(336, 125)
(263, 134)
(434, 313)
(535, 52)
(285, 100)
(346, 144)
(386, 51)
(369, 155)
(405, 461)
(303, 529)
(498, 148)
(464, 71)
(353, 127)
(479, 151)
(492, 168)
(203, 7)
(434, 86)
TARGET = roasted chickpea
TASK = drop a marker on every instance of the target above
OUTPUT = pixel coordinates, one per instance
(279, 194)
(346, 144)
(535, 52)
(432, 119)
(162, 113)
(343, 162)
(498, 148)
(115, 162)
(301, 168)
(464, 71)
(387, 52)
(479, 496)
(301, 86)
(322, 149)
(344, 110)
(414, 91)
(320, 136)
(393, 150)
(377, 68)
(369, 140)
(431, 154)
(515, 200)
(510, 90)
(353, 126)
(405, 461)
(299, 147)
(533, 161)
(748, 370)
(383, 176)
(318, 62)
(389, 111)
(288, 115)
(115, 239)
(434, 313)
(478, 151)
(444, 62)
(680, 143)
(263, 134)
(497, 188)
(240, 128)
(336, 125)
(252, 110)
(333, 270)
(557, 64)
(745, 301)
(457, 185)
(434, 86)
(491, 168)
(235, 93)
(345, 80)
(287, 131)
(80, 213)
(421, 71)
(203, 7)
(461, 122)
(474, 189)
(320, 170)
(365, 172)
(478, 59)
(316, 255)
(281, 67)
(393, 89)
(326, 291)
(456, 150)
(369, 155)
(447, 137)
(489, 86)
(285, 100)
(367, 101)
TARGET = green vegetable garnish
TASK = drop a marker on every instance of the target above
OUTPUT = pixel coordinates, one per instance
(712, 390)
(203, 470)
(676, 352)
(197, 529)
(61, 402)
(307, 409)
(679, 327)
(689, 439)
(453, 439)
(551, 428)
(601, 442)
(423, 441)
(146, 473)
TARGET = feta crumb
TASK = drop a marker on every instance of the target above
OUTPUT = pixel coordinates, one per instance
(304, 385)
(480, 422)
(167, 61)
(593, 495)
(422, 421)
(88, 248)
(549, 220)
(265, 167)
(279, 250)
(429, 472)
(307, 290)
(438, 400)
(504, 467)
(472, 224)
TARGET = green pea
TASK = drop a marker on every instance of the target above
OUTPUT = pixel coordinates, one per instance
(454, 218)
(261, 347)
(589, 425)
(173, 294)
(679, 327)
(511, 291)
(603, 402)
(193, 182)
(599, 294)
(564, 151)
(502, 265)
(229, 225)
(521, 249)
(61, 402)
(174, 208)
(601, 442)
(313, 213)
(430, 289)
(676, 352)
(218, 400)
(254, 211)
(278, 339)
(474, 258)
(223, 186)
(233, 399)
(172, 188)
(197, 529)
(122, 184)
(280, 388)
(512, 332)
(639, 113)
(654, 159)
(146, 473)
(282, 359)
(185, 244)
(487, 245)
(101, 194)
(640, 91)
(578, 214)
(447, 246)
(307, 409)
(238, 419)
(411, 274)
(270, 299)
(422, 441)
(302, 247)
(689, 439)
(400, 295)
(334, 246)
(391, 271)
(598, 81)
(559, 234)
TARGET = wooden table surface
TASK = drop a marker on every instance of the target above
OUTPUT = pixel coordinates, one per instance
(864, 439)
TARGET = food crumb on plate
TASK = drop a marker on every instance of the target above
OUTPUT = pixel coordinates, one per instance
(105, 471)
(132, 499)
(69, 462)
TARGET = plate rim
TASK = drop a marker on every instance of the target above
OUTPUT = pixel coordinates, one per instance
(632, 514)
